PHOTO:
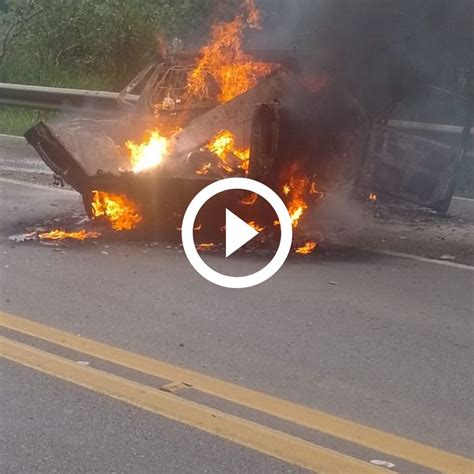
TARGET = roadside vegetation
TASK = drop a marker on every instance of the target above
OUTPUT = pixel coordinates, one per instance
(15, 120)
(89, 43)
(85, 44)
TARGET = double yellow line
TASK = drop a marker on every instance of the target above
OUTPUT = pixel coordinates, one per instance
(247, 433)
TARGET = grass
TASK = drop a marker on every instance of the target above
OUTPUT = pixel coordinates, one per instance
(30, 71)
(16, 121)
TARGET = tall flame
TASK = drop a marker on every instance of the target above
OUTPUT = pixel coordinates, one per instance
(148, 154)
(224, 61)
(121, 212)
(296, 190)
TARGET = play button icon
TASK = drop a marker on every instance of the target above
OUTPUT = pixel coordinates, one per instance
(237, 233)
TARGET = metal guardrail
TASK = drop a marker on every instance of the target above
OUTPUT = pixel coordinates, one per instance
(427, 127)
(68, 100)
(101, 102)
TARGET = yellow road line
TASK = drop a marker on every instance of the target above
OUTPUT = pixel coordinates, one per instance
(371, 438)
(260, 438)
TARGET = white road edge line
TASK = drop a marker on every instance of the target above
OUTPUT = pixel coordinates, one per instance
(410, 256)
(26, 170)
(459, 198)
(13, 137)
(35, 186)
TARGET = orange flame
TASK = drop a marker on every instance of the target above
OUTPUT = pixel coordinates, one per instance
(250, 199)
(58, 234)
(223, 145)
(254, 19)
(122, 213)
(307, 248)
(224, 63)
(372, 197)
(148, 154)
(204, 169)
(256, 226)
(296, 190)
(204, 247)
(197, 228)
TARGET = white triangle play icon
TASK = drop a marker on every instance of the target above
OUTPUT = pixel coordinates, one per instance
(237, 233)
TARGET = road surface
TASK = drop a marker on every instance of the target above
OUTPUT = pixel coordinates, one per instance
(344, 343)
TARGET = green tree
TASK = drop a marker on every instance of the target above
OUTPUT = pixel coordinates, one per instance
(46, 41)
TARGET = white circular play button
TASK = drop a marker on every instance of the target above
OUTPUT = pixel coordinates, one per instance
(238, 233)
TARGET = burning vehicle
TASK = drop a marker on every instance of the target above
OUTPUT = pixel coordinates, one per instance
(226, 112)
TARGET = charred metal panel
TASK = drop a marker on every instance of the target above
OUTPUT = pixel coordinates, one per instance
(162, 198)
(297, 133)
(409, 167)
(57, 157)
(264, 140)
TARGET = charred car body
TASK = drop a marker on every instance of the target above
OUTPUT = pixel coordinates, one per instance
(224, 113)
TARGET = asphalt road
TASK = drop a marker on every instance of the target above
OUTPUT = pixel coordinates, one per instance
(385, 342)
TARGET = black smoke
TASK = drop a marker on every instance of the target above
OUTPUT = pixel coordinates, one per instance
(383, 51)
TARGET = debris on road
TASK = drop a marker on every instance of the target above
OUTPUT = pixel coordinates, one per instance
(387, 464)
(447, 257)
(24, 237)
